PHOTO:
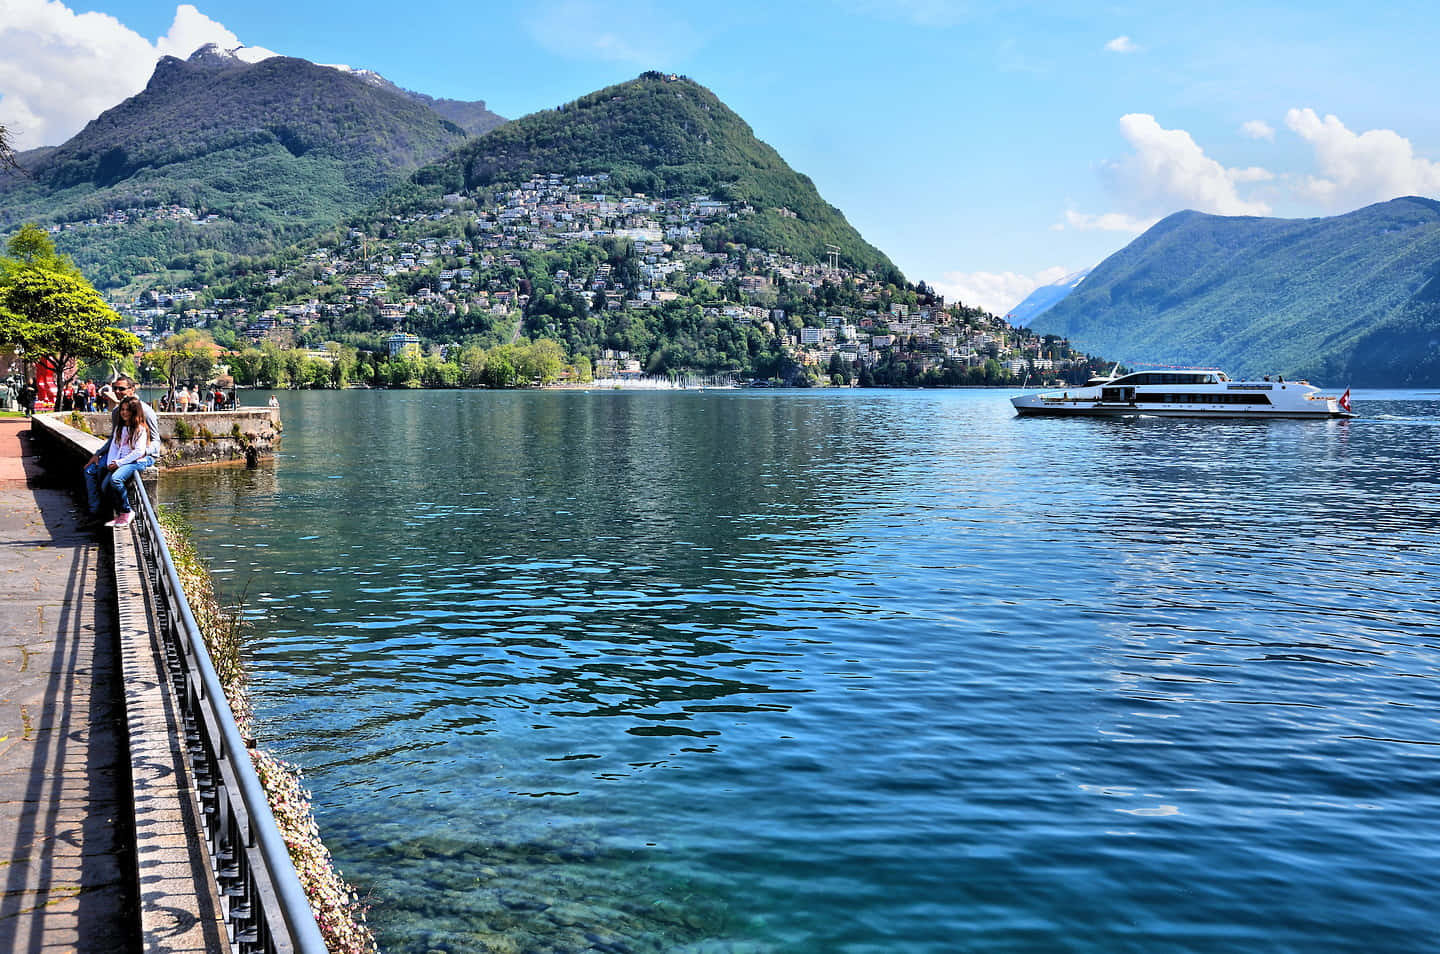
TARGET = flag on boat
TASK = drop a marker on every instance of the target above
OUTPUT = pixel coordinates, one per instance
(1345, 400)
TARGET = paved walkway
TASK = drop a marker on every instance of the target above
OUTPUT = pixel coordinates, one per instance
(64, 764)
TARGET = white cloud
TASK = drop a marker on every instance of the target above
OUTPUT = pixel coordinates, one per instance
(1258, 129)
(643, 33)
(61, 69)
(1357, 169)
(1106, 222)
(1122, 44)
(1168, 171)
(996, 292)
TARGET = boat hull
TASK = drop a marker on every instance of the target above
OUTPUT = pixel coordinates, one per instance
(1126, 410)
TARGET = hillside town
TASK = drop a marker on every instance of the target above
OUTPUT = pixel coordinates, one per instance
(498, 261)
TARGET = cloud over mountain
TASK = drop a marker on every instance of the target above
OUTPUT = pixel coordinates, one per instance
(1356, 168)
(1168, 169)
(61, 68)
(996, 292)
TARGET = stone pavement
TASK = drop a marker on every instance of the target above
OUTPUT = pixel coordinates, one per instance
(65, 817)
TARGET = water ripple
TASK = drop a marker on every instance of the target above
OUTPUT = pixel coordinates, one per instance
(850, 672)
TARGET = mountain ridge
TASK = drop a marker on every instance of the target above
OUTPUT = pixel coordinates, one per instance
(664, 134)
(1046, 297)
(258, 154)
(1352, 298)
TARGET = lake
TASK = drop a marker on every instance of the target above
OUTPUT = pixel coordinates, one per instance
(849, 671)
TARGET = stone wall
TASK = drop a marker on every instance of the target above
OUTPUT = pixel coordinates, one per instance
(201, 437)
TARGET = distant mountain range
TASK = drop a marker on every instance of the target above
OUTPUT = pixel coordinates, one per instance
(1351, 299)
(1044, 298)
(219, 165)
(259, 154)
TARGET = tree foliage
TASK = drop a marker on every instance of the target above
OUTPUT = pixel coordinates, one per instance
(51, 314)
(191, 354)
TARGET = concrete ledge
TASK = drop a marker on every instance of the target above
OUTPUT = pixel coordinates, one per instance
(179, 905)
(199, 437)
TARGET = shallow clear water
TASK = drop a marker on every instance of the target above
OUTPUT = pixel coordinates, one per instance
(850, 671)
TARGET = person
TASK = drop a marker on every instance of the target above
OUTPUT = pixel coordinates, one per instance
(274, 401)
(27, 398)
(132, 449)
(96, 472)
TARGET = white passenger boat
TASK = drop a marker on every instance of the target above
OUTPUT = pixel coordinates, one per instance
(1186, 393)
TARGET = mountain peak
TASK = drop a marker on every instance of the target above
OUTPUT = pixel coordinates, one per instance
(662, 134)
(211, 55)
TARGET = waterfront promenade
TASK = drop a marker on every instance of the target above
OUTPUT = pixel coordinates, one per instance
(64, 766)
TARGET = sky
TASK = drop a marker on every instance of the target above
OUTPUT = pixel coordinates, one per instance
(986, 147)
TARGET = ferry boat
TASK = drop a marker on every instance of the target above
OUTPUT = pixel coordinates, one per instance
(1186, 393)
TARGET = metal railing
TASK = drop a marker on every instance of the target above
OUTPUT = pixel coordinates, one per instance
(263, 903)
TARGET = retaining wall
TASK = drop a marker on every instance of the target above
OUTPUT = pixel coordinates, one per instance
(202, 437)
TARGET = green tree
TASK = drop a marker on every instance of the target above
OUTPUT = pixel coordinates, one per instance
(540, 361)
(245, 365)
(189, 354)
(52, 314)
(271, 371)
(500, 367)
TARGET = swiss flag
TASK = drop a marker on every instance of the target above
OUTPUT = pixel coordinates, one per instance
(1345, 400)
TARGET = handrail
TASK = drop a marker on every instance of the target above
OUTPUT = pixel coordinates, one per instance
(266, 909)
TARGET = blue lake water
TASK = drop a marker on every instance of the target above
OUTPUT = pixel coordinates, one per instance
(850, 671)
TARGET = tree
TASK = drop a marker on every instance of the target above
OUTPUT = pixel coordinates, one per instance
(51, 313)
(32, 246)
(245, 365)
(190, 354)
(539, 361)
(7, 152)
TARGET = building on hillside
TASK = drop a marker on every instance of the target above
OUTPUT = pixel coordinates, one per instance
(402, 343)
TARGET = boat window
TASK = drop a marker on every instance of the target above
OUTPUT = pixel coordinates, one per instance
(1228, 397)
(1142, 378)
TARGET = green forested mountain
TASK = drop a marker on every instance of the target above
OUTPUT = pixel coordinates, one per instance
(665, 135)
(1352, 299)
(217, 155)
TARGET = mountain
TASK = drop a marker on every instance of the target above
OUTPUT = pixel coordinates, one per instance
(220, 155)
(1350, 299)
(1044, 298)
(473, 117)
(665, 135)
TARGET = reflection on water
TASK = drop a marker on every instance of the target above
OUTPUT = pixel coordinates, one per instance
(848, 671)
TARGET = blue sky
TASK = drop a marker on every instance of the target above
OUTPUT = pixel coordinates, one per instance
(984, 146)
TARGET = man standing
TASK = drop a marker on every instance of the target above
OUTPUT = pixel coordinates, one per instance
(96, 473)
